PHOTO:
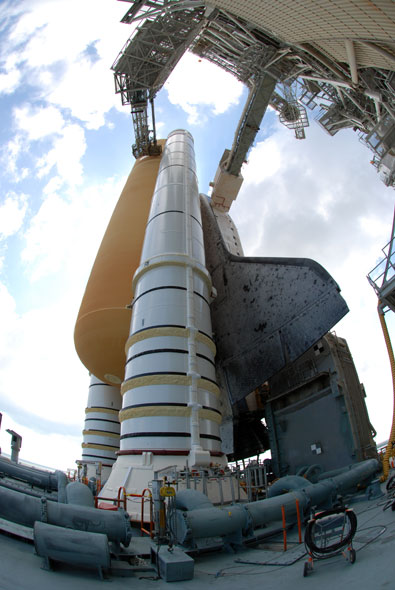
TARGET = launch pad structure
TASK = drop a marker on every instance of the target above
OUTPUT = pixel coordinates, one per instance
(199, 356)
(337, 59)
(207, 328)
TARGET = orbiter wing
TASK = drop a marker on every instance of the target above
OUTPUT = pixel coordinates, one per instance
(268, 311)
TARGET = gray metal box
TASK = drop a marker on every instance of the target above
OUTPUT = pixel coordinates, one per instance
(174, 565)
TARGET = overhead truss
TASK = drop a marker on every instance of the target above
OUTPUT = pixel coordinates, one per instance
(342, 93)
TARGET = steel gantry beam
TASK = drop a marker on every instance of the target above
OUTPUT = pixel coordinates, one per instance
(148, 58)
(350, 78)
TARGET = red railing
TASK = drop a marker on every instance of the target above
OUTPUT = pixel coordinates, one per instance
(123, 500)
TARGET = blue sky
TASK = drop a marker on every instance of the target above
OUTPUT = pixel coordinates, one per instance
(66, 152)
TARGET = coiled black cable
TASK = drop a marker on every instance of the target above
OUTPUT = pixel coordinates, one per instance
(390, 485)
(332, 548)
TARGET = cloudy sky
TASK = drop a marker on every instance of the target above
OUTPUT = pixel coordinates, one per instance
(65, 155)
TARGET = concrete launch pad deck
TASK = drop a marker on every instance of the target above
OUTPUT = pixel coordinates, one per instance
(263, 566)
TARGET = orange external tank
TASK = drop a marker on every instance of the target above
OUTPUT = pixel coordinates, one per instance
(103, 321)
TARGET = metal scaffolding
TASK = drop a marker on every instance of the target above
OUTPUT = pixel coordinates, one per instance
(348, 91)
(148, 58)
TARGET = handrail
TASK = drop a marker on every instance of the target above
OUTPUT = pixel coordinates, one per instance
(390, 266)
(151, 522)
(143, 497)
(119, 497)
(387, 262)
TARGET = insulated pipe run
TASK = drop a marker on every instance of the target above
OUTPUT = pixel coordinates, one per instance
(45, 480)
(26, 510)
(244, 518)
(312, 495)
(170, 399)
(102, 428)
(317, 494)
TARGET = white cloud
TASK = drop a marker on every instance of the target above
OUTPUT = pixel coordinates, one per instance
(53, 185)
(39, 122)
(12, 214)
(61, 243)
(46, 237)
(300, 180)
(323, 204)
(58, 449)
(68, 48)
(373, 225)
(9, 321)
(65, 155)
(68, 140)
(9, 81)
(264, 162)
(65, 233)
(196, 83)
(11, 152)
(7, 307)
(59, 30)
(87, 90)
(40, 372)
(62, 51)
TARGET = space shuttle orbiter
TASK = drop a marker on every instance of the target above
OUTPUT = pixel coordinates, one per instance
(181, 325)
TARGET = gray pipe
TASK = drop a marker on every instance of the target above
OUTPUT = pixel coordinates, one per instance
(37, 477)
(313, 472)
(359, 474)
(26, 510)
(334, 472)
(29, 491)
(69, 546)
(289, 483)
(192, 500)
(317, 494)
(62, 483)
(209, 522)
(78, 493)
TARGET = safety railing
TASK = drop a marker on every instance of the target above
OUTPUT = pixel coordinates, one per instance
(121, 500)
(144, 498)
(384, 272)
(385, 269)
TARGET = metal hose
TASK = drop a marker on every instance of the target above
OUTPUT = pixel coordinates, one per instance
(391, 441)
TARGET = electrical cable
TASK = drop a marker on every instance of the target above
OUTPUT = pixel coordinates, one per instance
(390, 485)
(381, 532)
(222, 572)
(313, 548)
(270, 562)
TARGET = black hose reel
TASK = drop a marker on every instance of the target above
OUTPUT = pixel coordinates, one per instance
(328, 533)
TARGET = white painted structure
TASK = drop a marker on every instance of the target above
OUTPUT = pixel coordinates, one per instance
(170, 401)
(101, 428)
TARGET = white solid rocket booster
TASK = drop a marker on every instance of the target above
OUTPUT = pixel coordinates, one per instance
(101, 428)
(170, 400)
